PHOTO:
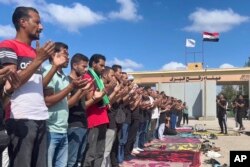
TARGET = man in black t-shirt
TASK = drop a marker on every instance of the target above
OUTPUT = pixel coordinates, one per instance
(77, 132)
(240, 107)
(222, 114)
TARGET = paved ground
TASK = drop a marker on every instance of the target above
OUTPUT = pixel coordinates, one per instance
(226, 143)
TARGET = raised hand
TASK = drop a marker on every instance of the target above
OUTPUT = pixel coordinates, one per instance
(110, 86)
(79, 83)
(4, 72)
(88, 85)
(98, 94)
(46, 51)
(117, 88)
(12, 82)
(60, 59)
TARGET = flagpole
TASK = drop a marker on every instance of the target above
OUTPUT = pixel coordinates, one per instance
(185, 52)
(202, 52)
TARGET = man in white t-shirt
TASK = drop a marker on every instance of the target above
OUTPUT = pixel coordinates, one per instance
(155, 115)
(26, 112)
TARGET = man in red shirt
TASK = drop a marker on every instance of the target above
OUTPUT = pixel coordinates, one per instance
(26, 124)
(97, 115)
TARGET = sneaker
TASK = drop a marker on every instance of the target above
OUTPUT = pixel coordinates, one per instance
(236, 128)
(139, 149)
(135, 151)
(121, 165)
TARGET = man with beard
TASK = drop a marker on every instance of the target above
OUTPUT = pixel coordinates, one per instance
(56, 94)
(77, 132)
(27, 112)
(97, 115)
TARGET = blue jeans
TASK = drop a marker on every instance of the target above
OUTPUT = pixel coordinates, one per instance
(57, 149)
(144, 134)
(173, 120)
(141, 135)
(77, 143)
(123, 137)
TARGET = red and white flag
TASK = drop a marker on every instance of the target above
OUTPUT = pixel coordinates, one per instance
(212, 37)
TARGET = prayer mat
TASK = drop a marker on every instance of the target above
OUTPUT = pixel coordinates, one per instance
(174, 147)
(189, 135)
(183, 146)
(184, 129)
(180, 139)
(209, 132)
(149, 163)
(158, 158)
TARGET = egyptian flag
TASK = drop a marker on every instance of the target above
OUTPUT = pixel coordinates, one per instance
(212, 37)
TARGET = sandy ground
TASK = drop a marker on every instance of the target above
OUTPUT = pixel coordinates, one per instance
(226, 143)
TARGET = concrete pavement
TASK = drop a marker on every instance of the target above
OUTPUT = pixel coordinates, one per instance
(226, 143)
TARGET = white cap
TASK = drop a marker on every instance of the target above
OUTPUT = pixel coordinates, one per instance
(130, 77)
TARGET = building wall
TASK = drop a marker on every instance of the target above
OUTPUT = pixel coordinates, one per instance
(201, 101)
(210, 99)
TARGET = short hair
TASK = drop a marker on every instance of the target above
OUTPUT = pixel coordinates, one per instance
(147, 87)
(145, 98)
(19, 13)
(106, 70)
(58, 46)
(115, 67)
(96, 58)
(162, 92)
(77, 58)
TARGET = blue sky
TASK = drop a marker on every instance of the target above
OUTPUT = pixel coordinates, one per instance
(143, 35)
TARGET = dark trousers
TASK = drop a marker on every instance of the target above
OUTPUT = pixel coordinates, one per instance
(131, 137)
(152, 130)
(239, 118)
(28, 143)
(4, 141)
(223, 124)
(143, 132)
(185, 118)
(0, 159)
(114, 150)
(173, 120)
(95, 146)
(179, 118)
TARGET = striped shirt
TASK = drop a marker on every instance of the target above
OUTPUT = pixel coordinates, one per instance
(26, 102)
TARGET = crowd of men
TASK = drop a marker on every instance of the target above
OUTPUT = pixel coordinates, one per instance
(94, 116)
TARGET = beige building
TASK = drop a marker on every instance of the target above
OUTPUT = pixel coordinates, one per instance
(195, 85)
